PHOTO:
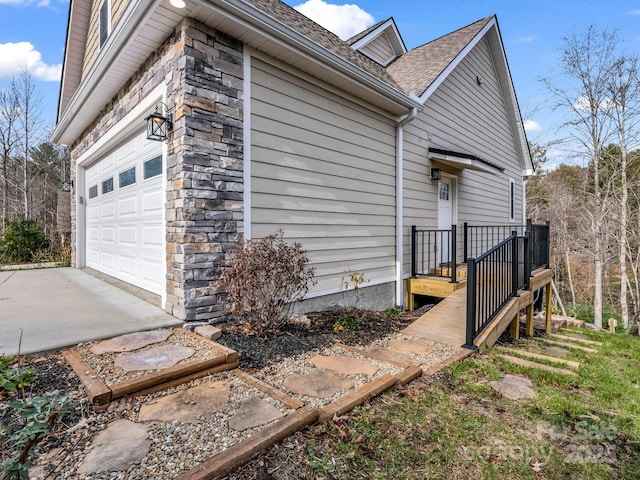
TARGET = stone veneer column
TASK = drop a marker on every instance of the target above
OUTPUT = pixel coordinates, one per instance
(203, 72)
(204, 171)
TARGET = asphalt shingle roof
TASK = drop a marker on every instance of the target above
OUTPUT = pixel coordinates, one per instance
(413, 72)
(285, 14)
(417, 69)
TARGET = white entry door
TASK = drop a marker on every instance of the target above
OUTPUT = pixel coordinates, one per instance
(445, 218)
(125, 212)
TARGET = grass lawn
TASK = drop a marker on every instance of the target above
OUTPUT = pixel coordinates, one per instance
(453, 425)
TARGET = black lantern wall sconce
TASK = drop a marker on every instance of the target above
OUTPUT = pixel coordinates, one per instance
(158, 125)
(435, 174)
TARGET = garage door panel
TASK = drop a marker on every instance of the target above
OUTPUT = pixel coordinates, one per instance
(127, 263)
(127, 206)
(128, 236)
(107, 260)
(152, 235)
(108, 235)
(125, 229)
(152, 200)
(107, 210)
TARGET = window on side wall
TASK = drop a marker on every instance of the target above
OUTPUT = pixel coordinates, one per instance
(512, 200)
(105, 22)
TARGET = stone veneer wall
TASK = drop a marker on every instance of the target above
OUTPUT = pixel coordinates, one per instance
(203, 72)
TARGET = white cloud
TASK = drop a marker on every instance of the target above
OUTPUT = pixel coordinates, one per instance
(635, 12)
(14, 57)
(41, 3)
(532, 126)
(343, 20)
(525, 39)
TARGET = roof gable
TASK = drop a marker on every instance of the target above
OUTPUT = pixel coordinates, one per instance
(418, 69)
(382, 42)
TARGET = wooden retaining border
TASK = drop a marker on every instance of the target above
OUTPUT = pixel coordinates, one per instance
(288, 400)
(238, 454)
(101, 394)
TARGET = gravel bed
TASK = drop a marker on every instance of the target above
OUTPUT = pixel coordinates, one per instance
(438, 353)
(176, 448)
(104, 364)
(301, 364)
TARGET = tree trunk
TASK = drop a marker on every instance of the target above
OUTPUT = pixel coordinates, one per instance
(558, 299)
(572, 289)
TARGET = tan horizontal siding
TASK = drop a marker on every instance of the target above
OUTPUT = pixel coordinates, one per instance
(323, 171)
(380, 48)
(91, 50)
(465, 117)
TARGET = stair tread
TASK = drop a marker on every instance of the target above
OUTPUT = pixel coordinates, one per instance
(530, 364)
(579, 340)
(539, 356)
(569, 345)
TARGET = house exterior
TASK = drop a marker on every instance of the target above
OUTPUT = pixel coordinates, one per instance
(277, 124)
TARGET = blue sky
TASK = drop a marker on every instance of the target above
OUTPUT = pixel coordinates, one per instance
(33, 33)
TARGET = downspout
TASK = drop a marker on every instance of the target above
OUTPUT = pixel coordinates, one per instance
(402, 121)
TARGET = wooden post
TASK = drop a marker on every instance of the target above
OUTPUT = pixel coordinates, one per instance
(547, 308)
(530, 320)
(515, 327)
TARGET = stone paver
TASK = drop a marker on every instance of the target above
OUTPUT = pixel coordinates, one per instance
(320, 384)
(130, 341)
(392, 356)
(253, 413)
(116, 448)
(345, 365)
(209, 331)
(189, 405)
(514, 387)
(409, 346)
(164, 356)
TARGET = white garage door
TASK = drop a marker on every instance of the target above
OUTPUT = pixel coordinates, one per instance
(124, 218)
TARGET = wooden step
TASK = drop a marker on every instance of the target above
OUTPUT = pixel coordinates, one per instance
(541, 366)
(579, 340)
(538, 356)
(567, 345)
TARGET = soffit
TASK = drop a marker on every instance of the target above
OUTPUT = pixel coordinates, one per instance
(146, 24)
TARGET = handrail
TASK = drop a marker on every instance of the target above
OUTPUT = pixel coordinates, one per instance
(477, 239)
(492, 280)
(433, 252)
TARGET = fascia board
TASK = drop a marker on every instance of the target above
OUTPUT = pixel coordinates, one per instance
(263, 22)
(505, 80)
(131, 22)
(371, 36)
(456, 61)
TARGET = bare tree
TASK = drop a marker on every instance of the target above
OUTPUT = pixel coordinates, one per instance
(31, 125)
(588, 61)
(624, 91)
(9, 112)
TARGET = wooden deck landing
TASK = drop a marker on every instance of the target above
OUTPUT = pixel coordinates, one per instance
(446, 322)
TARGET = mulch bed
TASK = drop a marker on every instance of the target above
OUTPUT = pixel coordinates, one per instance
(259, 351)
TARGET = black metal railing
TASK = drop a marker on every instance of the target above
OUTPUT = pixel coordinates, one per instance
(492, 280)
(433, 253)
(540, 244)
(478, 239)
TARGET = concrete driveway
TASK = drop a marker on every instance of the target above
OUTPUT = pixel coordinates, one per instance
(59, 307)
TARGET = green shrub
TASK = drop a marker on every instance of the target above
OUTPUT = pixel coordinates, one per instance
(13, 377)
(21, 240)
(586, 313)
